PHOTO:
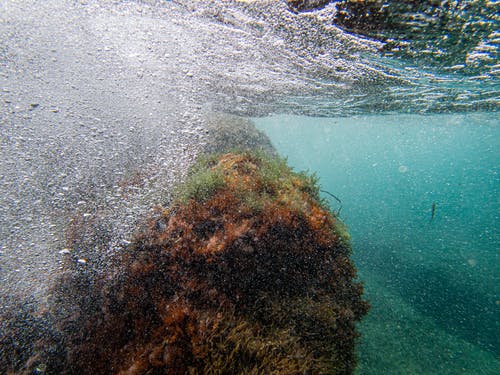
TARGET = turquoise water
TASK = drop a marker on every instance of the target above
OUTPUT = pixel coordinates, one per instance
(433, 282)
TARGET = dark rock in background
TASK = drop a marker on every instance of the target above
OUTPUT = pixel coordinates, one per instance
(226, 133)
(305, 5)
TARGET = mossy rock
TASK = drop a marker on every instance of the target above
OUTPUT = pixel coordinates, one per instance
(226, 133)
(248, 275)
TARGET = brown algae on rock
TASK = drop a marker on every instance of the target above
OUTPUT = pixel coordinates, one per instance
(245, 272)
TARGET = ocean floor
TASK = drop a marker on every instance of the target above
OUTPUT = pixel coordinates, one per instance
(431, 278)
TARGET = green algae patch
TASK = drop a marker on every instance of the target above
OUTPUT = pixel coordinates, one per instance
(201, 185)
(245, 272)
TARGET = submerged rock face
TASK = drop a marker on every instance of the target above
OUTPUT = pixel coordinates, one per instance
(228, 133)
(457, 35)
(245, 272)
(305, 5)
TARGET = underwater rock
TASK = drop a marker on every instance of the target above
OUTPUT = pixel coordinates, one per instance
(22, 325)
(305, 5)
(455, 35)
(246, 271)
(442, 33)
(226, 133)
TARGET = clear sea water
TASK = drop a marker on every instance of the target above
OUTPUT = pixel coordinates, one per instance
(92, 92)
(433, 283)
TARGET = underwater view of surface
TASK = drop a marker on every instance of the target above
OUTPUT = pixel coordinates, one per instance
(105, 106)
(420, 195)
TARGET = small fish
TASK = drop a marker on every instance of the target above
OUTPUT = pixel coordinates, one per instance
(433, 211)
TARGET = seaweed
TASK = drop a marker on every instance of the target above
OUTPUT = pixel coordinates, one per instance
(245, 272)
